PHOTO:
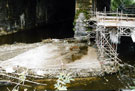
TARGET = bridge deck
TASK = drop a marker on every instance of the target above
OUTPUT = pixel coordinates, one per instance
(109, 23)
(117, 20)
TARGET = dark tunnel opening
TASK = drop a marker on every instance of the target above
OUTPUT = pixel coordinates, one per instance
(126, 50)
(43, 19)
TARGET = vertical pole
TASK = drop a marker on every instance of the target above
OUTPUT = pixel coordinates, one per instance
(104, 13)
(126, 17)
(117, 14)
(96, 11)
(101, 34)
(105, 10)
(121, 15)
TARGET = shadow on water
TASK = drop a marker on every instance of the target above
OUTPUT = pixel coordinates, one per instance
(126, 50)
(59, 30)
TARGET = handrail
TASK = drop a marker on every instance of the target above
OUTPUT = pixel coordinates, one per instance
(114, 13)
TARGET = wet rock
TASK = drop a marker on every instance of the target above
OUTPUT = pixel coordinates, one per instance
(47, 41)
(74, 52)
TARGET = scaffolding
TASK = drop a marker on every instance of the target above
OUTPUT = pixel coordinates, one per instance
(106, 23)
(107, 53)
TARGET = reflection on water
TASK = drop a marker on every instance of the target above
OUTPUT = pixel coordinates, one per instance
(59, 30)
(93, 83)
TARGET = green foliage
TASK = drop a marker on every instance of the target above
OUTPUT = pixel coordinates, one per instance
(22, 77)
(132, 87)
(86, 13)
(116, 3)
(63, 79)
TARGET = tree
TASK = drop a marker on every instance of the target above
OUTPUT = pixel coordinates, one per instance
(121, 3)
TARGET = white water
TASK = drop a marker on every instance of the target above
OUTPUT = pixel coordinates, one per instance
(80, 29)
(33, 58)
(133, 36)
(114, 37)
(49, 55)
